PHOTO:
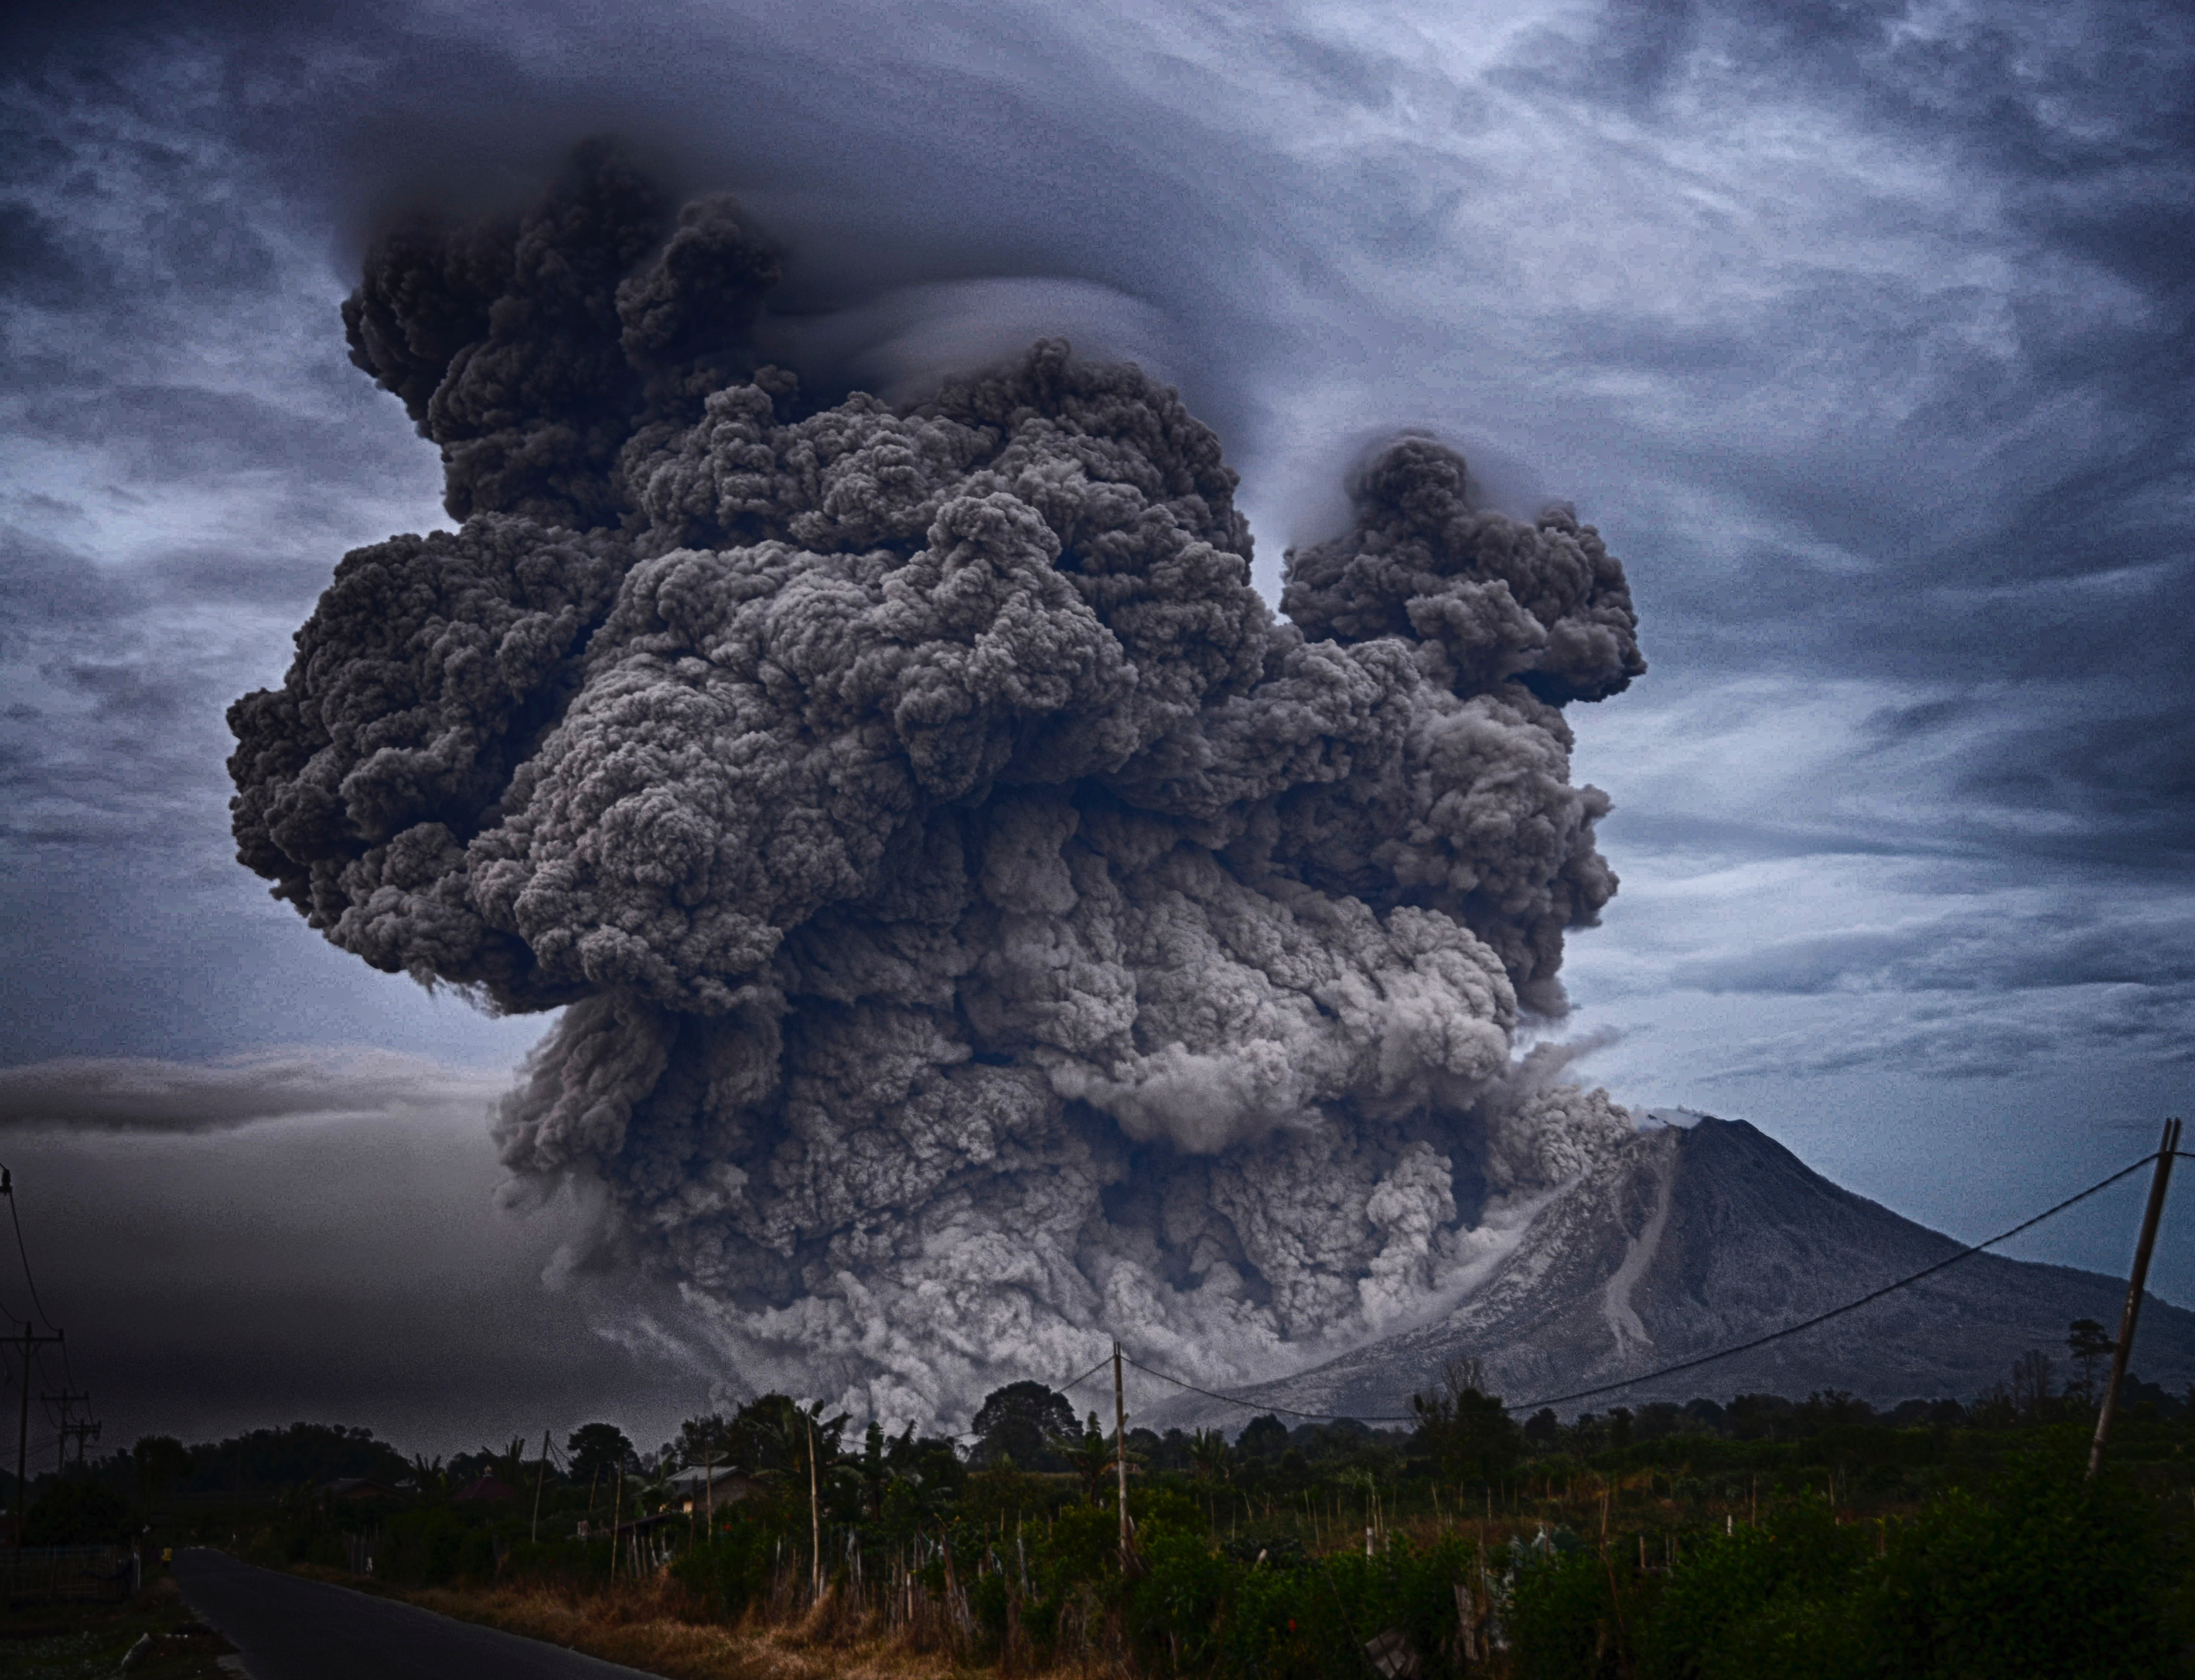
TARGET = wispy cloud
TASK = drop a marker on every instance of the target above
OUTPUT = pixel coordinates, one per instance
(139, 1094)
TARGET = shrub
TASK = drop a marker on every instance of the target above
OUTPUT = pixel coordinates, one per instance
(726, 1571)
(75, 1512)
(423, 1548)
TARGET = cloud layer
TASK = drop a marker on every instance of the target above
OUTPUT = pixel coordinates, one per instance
(146, 1095)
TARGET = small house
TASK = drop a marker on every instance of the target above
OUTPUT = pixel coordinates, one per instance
(701, 1487)
(357, 1487)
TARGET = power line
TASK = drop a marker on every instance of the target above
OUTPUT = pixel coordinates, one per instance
(1253, 1406)
(1836, 1312)
(16, 1219)
(1063, 1387)
(8, 1190)
(1057, 1388)
(1700, 1360)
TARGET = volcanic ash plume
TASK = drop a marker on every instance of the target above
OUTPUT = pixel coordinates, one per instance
(980, 925)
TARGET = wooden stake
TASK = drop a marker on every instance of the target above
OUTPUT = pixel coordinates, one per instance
(2165, 1149)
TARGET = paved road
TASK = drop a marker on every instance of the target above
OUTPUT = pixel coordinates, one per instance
(292, 1629)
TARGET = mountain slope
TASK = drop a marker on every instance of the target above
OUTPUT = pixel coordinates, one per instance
(1693, 1239)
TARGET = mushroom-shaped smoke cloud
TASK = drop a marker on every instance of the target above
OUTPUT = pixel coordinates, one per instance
(981, 926)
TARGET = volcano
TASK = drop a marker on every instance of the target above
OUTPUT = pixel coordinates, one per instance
(1695, 1237)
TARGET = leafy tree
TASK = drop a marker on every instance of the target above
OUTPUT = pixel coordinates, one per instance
(1090, 1456)
(2032, 1385)
(1015, 1421)
(707, 1440)
(774, 1433)
(1619, 1428)
(1830, 1408)
(598, 1450)
(75, 1511)
(1265, 1437)
(306, 1452)
(1208, 1457)
(1468, 1432)
(2087, 1342)
(1993, 1408)
(1759, 1416)
(161, 1461)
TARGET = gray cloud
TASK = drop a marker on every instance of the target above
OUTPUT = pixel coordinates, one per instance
(79, 1094)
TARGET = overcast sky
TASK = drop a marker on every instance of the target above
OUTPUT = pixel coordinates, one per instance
(1863, 334)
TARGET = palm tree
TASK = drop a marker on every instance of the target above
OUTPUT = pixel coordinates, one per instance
(428, 1472)
(1090, 1456)
(1208, 1455)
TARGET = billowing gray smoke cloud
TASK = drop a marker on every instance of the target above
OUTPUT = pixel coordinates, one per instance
(982, 925)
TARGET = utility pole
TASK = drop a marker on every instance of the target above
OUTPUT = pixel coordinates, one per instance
(815, 1521)
(67, 1426)
(617, 1504)
(1121, 1450)
(2167, 1146)
(540, 1480)
(30, 1344)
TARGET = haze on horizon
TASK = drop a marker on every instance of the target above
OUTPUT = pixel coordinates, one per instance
(1865, 344)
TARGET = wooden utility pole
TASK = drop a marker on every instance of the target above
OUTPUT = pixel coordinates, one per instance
(30, 1344)
(617, 1504)
(70, 1424)
(1121, 1450)
(2167, 1146)
(815, 1521)
(540, 1480)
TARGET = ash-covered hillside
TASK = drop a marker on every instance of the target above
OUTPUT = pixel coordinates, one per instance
(1690, 1240)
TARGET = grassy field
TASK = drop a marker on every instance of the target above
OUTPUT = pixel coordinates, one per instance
(87, 1642)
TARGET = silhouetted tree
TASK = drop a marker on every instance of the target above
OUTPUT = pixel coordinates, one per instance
(1090, 1456)
(1016, 1421)
(2087, 1342)
(1467, 1431)
(1208, 1457)
(598, 1450)
(160, 1461)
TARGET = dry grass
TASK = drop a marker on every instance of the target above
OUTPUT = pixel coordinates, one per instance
(643, 1627)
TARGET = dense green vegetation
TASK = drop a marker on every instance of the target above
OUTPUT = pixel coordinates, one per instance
(1762, 1536)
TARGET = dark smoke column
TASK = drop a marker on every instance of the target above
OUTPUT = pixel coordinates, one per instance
(980, 925)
